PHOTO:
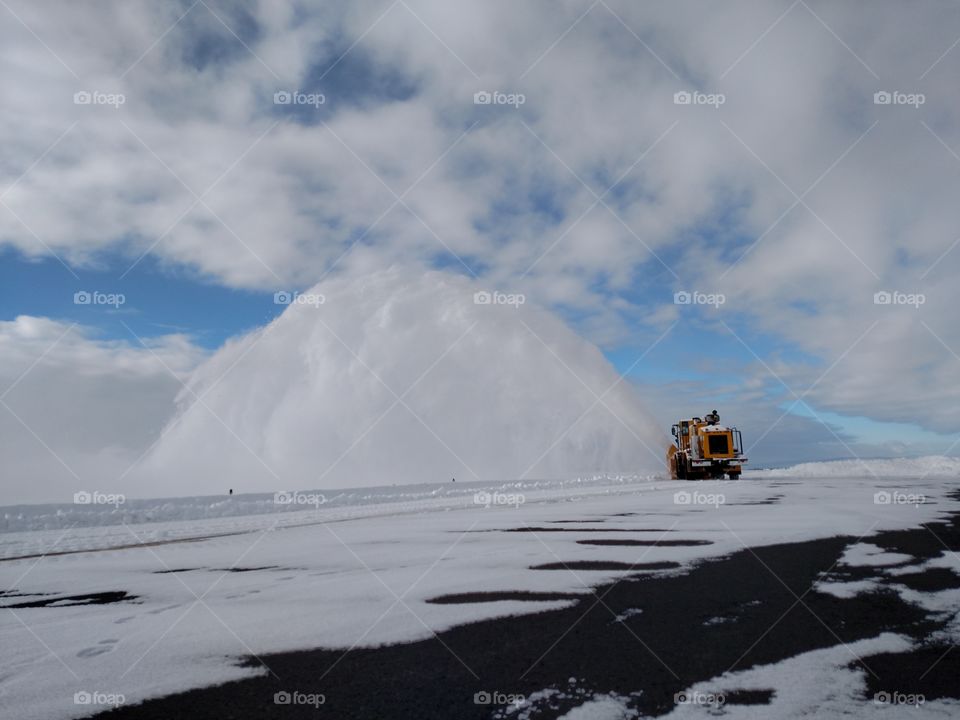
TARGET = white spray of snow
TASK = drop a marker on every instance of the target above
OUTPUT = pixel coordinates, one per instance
(401, 377)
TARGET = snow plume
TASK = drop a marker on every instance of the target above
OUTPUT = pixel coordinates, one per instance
(397, 377)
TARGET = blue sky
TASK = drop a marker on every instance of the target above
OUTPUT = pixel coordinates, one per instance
(157, 302)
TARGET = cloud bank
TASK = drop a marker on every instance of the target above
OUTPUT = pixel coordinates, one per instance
(78, 410)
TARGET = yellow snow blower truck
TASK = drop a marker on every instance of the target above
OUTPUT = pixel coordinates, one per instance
(705, 449)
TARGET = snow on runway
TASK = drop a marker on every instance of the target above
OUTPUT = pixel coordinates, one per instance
(145, 621)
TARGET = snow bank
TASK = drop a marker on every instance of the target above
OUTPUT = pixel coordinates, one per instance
(59, 516)
(932, 465)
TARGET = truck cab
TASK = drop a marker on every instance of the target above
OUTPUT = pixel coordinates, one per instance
(703, 448)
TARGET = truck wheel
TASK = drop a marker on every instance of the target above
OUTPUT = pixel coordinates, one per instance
(734, 476)
(681, 467)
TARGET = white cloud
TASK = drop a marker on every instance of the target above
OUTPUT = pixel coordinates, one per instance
(79, 410)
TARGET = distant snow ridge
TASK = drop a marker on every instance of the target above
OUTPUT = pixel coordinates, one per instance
(931, 465)
(402, 376)
(134, 511)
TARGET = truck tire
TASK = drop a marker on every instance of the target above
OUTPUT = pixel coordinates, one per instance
(681, 466)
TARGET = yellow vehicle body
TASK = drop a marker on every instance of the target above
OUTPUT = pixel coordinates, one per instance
(705, 449)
